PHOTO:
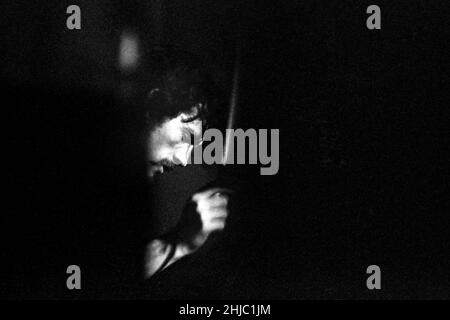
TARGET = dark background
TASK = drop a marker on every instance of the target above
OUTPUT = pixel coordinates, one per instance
(363, 169)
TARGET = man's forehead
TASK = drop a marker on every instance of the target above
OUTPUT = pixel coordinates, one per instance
(169, 129)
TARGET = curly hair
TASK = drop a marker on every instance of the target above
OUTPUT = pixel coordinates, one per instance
(178, 83)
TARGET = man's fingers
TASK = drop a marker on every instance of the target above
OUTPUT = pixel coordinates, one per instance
(216, 224)
(207, 205)
(212, 206)
(217, 201)
(213, 213)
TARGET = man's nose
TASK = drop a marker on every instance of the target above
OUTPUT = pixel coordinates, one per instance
(182, 154)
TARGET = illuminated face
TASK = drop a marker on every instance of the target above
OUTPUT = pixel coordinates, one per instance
(170, 143)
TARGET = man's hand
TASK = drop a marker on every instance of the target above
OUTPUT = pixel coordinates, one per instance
(208, 215)
(212, 208)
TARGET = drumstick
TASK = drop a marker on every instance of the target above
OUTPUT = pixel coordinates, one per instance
(233, 105)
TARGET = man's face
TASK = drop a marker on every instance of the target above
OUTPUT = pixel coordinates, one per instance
(170, 143)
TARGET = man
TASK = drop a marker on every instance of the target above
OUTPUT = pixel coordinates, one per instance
(181, 101)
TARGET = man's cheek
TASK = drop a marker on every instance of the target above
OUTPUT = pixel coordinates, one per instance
(214, 224)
